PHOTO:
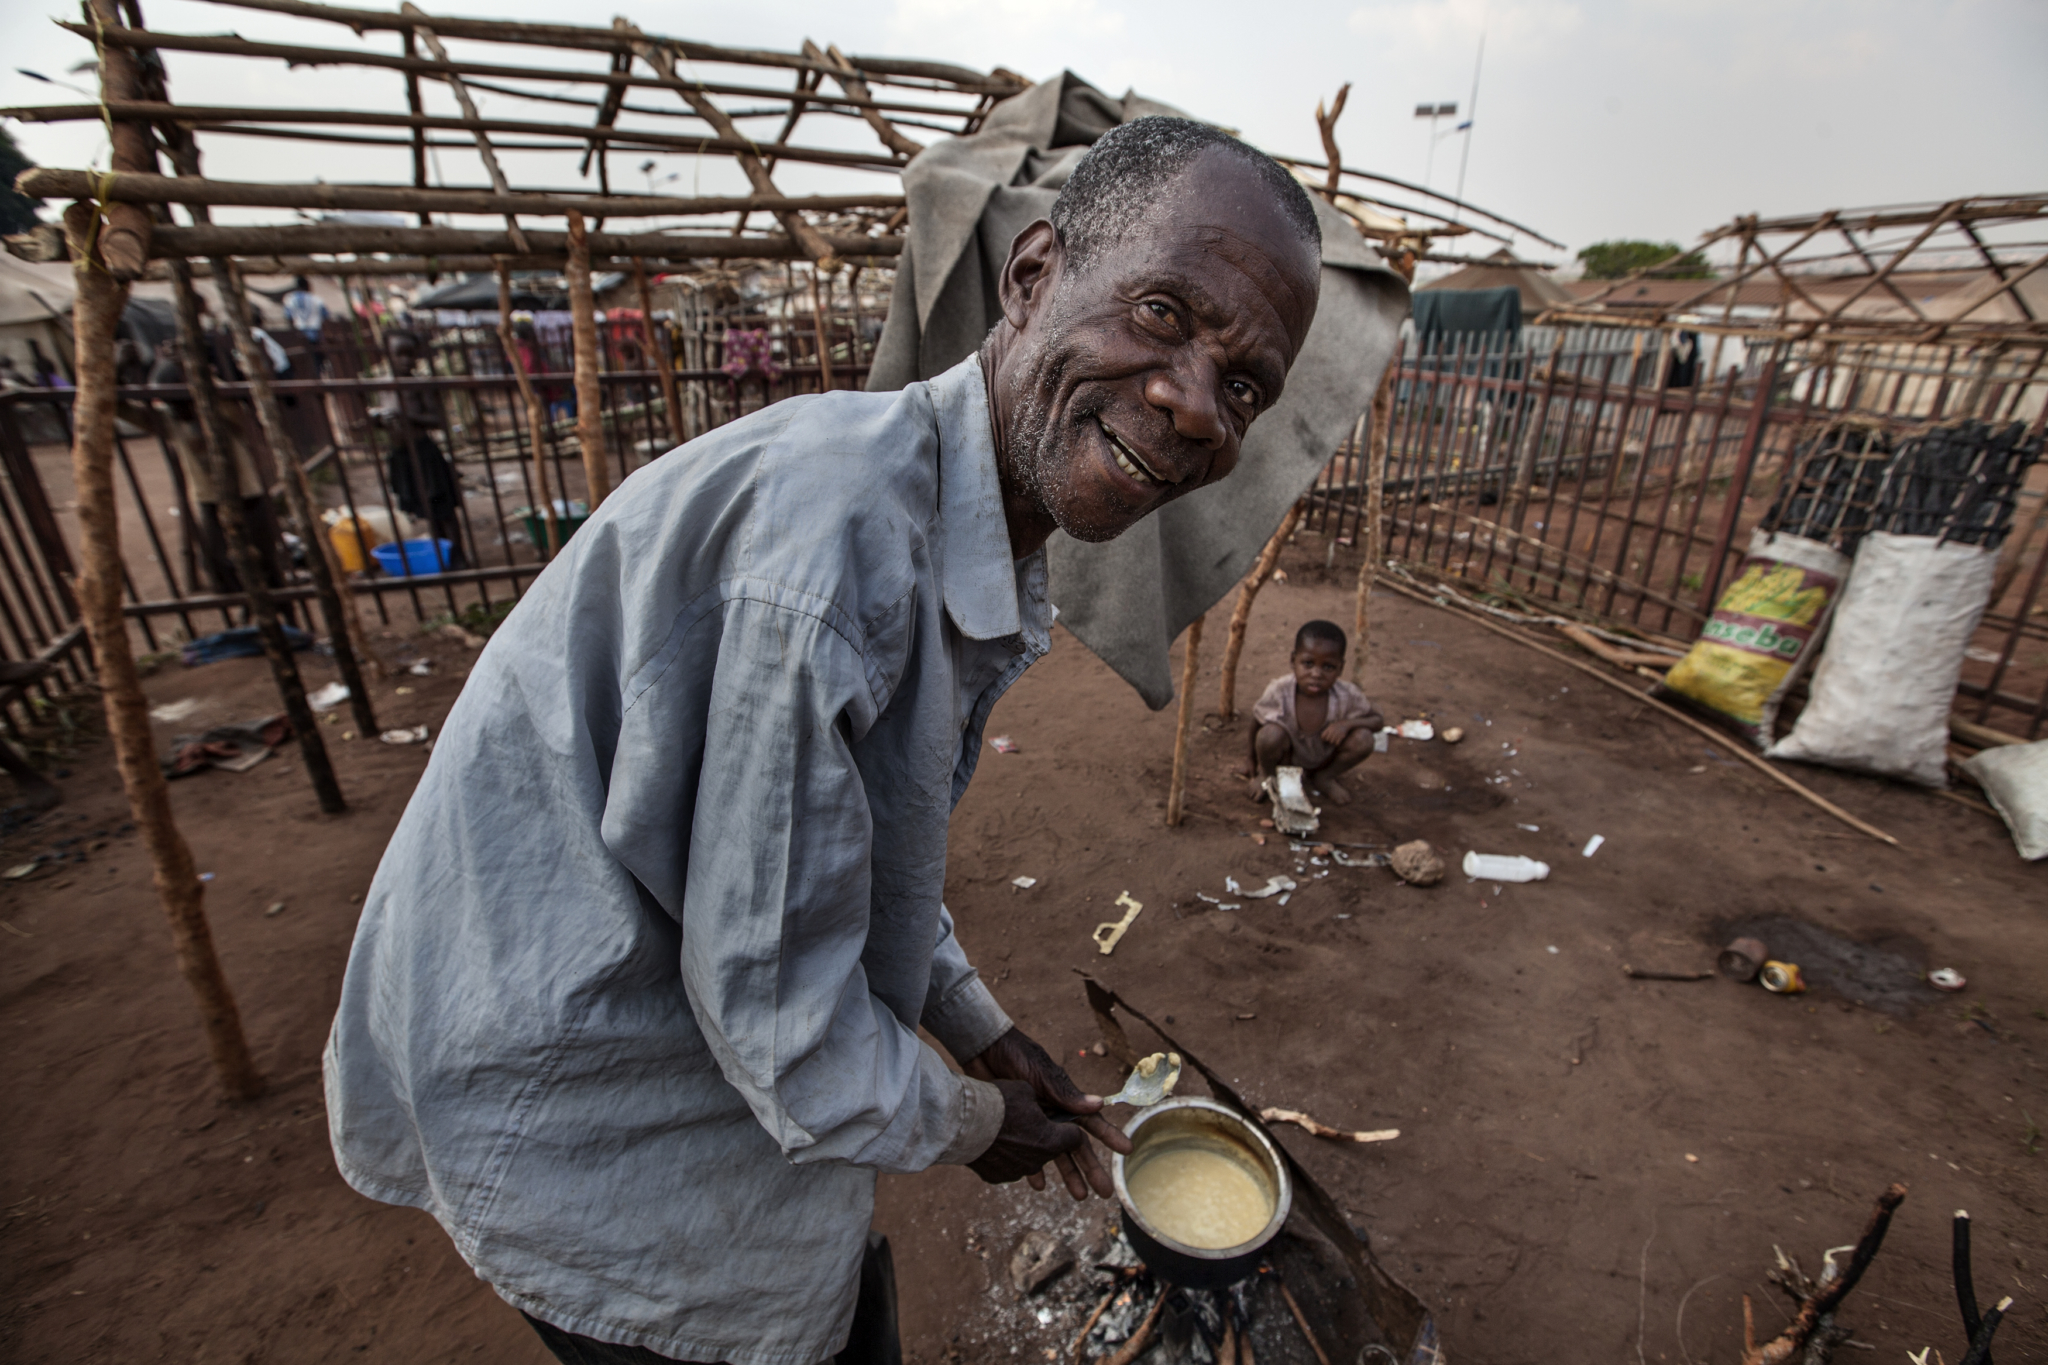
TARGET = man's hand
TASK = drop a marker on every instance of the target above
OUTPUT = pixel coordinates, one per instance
(1033, 1085)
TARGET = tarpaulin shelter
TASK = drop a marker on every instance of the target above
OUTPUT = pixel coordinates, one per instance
(1128, 599)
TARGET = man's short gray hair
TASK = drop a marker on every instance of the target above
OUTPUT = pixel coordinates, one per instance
(1121, 178)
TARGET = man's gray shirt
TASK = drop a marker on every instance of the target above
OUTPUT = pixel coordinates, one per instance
(632, 1008)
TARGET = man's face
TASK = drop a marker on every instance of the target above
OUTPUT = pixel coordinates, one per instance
(1135, 379)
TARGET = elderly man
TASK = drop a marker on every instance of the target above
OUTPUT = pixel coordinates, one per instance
(633, 1006)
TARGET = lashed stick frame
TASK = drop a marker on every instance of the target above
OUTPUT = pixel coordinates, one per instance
(119, 229)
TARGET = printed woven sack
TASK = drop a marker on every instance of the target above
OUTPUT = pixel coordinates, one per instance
(1761, 635)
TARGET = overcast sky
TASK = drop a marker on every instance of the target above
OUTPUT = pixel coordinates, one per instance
(1595, 119)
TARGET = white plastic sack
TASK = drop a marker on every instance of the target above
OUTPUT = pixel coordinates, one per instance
(1887, 678)
(2015, 777)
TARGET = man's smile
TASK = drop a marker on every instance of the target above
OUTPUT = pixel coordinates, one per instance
(1130, 461)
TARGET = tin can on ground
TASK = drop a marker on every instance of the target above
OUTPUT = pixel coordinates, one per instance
(1742, 959)
(1782, 978)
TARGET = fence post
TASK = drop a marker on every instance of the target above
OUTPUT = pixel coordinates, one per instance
(1738, 484)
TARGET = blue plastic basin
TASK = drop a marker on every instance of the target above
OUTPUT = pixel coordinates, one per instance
(421, 557)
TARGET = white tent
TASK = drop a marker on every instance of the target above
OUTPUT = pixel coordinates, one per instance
(35, 307)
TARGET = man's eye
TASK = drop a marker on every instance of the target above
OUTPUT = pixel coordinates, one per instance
(1244, 393)
(1161, 311)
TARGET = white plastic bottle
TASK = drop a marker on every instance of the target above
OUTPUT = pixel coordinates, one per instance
(1501, 867)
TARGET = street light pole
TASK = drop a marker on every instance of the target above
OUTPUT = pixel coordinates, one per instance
(1471, 112)
(1433, 112)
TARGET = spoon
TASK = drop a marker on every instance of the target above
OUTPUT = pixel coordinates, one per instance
(1150, 1082)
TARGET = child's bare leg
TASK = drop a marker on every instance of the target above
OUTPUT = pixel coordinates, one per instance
(1356, 748)
(1272, 746)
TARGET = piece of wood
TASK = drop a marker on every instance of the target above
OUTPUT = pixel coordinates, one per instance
(821, 334)
(1792, 1340)
(220, 118)
(1177, 789)
(51, 183)
(659, 357)
(1621, 658)
(1141, 1338)
(662, 60)
(1301, 1319)
(597, 476)
(1642, 974)
(999, 84)
(1326, 124)
(1081, 1337)
(1241, 614)
(124, 239)
(213, 451)
(417, 67)
(1370, 535)
(1727, 742)
(344, 626)
(96, 313)
(216, 240)
(499, 185)
(1324, 1130)
(849, 80)
(536, 417)
(1977, 736)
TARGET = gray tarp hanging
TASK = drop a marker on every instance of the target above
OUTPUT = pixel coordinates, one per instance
(1127, 599)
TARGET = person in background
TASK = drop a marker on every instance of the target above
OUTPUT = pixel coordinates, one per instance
(423, 481)
(1311, 719)
(302, 307)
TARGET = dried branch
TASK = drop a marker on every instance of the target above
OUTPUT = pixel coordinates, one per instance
(1828, 1295)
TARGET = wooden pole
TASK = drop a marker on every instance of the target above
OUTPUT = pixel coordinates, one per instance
(499, 185)
(583, 334)
(137, 188)
(821, 330)
(659, 358)
(124, 239)
(96, 314)
(213, 450)
(344, 626)
(1188, 666)
(1241, 614)
(536, 416)
(1326, 124)
(1375, 496)
(659, 56)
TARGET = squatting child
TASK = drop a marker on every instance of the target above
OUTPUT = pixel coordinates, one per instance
(1311, 718)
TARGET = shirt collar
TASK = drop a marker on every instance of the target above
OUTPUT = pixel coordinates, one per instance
(981, 580)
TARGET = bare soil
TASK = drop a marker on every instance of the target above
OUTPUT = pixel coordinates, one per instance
(1590, 1167)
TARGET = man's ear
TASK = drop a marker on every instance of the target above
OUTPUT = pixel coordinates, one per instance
(1034, 258)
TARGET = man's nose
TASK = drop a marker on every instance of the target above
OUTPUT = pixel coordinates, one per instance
(1187, 393)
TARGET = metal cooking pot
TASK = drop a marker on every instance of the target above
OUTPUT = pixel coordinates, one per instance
(1177, 1123)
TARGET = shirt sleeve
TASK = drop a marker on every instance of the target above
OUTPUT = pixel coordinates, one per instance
(1271, 707)
(959, 1009)
(775, 903)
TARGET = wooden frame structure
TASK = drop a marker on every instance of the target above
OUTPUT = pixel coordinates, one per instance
(1845, 275)
(119, 228)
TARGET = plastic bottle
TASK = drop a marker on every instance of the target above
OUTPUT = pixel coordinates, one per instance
(1501, 867)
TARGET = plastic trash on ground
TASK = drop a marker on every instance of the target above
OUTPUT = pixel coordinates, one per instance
(328, 697)
(1503, 867)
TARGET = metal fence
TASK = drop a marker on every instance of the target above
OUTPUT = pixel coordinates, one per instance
(1616, 474)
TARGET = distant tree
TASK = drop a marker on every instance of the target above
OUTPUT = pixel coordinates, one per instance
(17, 210)
(1612, 260)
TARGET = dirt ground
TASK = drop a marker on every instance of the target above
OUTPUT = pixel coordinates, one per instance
(1590, 1167)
